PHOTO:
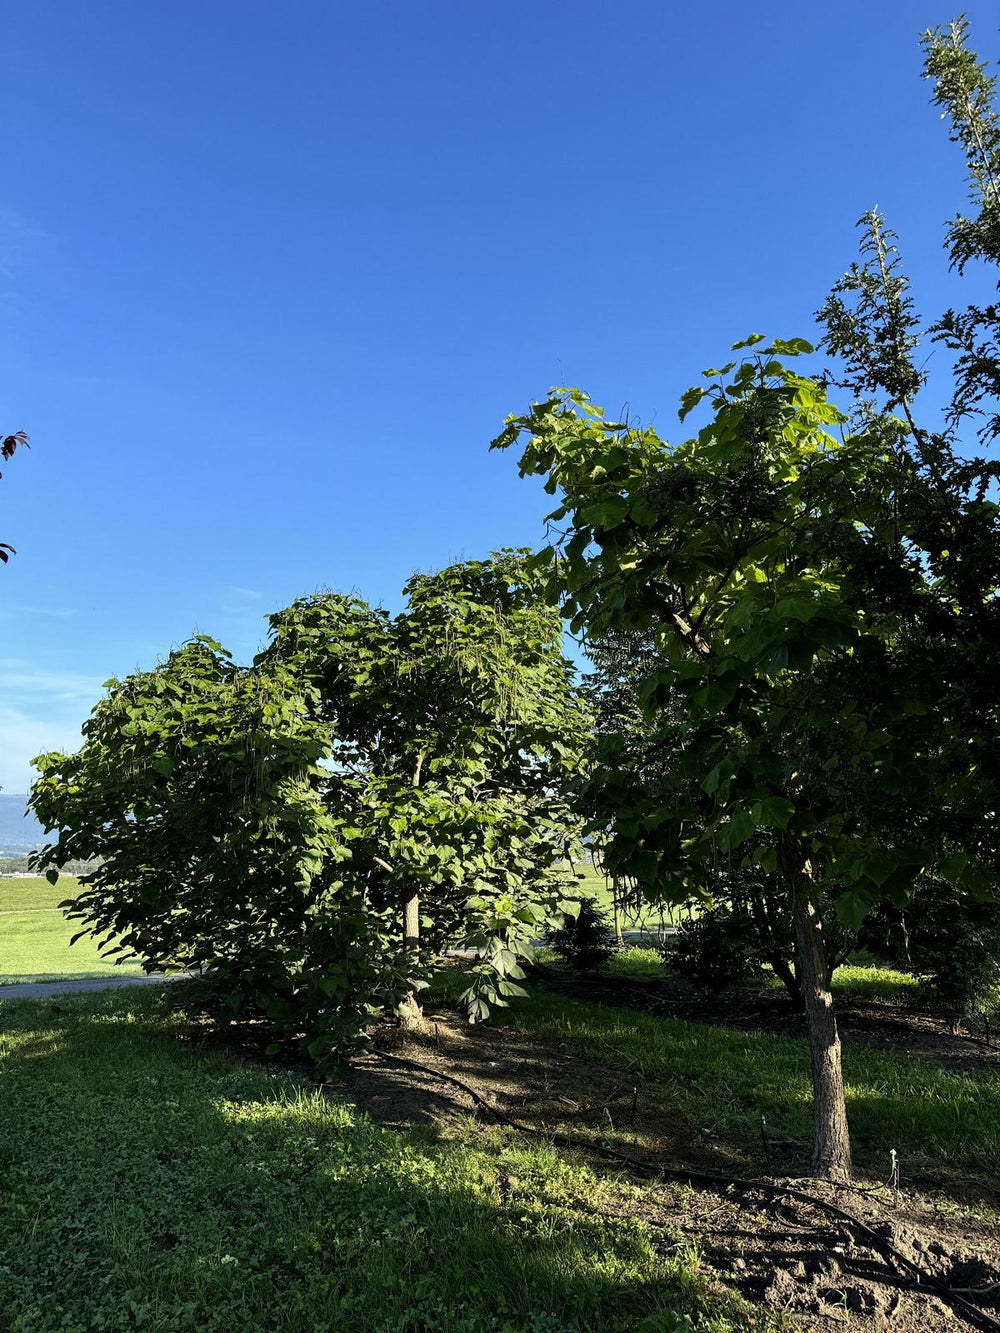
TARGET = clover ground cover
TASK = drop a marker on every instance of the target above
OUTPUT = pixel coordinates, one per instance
(152, 1184)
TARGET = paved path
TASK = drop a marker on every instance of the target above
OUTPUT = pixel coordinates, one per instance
(39, 989)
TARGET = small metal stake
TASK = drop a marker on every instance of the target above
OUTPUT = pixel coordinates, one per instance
(894, 1176)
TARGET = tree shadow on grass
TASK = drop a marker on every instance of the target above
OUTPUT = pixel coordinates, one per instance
(149, 1185)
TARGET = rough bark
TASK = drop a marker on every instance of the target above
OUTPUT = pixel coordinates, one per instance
(831, 1139)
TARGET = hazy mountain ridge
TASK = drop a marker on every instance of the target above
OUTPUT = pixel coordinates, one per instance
(19, 831)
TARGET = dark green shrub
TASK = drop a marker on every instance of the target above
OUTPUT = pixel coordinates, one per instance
(716, 951)
(953, 948)
(584, 942)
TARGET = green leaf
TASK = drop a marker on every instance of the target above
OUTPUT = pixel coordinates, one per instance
(853, 906)
(711, 783)
(604, 513)
(773, 812)
(690, 400)
(791, 347)
(766, 858)
(739, 828)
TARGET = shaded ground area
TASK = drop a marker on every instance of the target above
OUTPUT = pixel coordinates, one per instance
(149, 1184)
(771, 1248)
(896, 1027)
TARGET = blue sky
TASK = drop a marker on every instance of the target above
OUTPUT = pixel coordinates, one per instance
(271, 277)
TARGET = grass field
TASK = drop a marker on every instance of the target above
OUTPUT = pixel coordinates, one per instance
(151, 1185)
(646, 918)
(35, 936)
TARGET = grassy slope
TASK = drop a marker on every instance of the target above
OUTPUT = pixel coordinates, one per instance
(30, 893)
(148, 1184)
(35, 936)
(724, 1080)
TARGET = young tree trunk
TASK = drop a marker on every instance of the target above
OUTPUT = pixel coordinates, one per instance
(411, 1015)
(616, 904)
(780, 966)
(831, 1139)
(786, 975)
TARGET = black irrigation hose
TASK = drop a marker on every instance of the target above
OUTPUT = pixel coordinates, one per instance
(970, 1313)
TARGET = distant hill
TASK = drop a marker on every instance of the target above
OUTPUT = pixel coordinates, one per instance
(19, 831)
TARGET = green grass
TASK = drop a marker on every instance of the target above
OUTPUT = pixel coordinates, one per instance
(866, 982)
(851, 981)
(35, 936)
(149, 1184)
(882, 984)
(636, 964)
(29, 894)
(647, 918)
(724, 1080)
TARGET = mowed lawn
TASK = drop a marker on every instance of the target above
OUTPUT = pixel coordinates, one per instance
(35, 936)
(149, 1184)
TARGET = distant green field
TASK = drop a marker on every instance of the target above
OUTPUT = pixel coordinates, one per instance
(30, 894)
(35, 936)
(646, 917)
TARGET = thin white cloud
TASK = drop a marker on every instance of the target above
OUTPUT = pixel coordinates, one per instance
(22, 684)
(22, 738)
(19, 241)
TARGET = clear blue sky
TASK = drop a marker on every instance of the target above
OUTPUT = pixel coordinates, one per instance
(272, 275)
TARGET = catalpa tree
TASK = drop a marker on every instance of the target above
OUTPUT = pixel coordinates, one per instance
(821, 595)
(313, 828)
(779, 572)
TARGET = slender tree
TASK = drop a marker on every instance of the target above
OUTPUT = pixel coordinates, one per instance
(824, 605)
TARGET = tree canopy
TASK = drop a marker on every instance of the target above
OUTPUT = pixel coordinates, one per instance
(816, 596)
(312, 828)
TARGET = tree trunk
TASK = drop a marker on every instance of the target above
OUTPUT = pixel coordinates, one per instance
(616, 904)
(831, 1139)
(763, 917)
(786, 975)
(411, 1015)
